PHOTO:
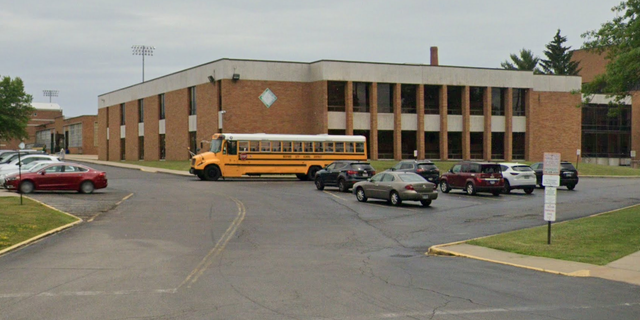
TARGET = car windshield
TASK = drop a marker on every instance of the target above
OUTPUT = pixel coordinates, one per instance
(490, 168)
(567, 166)
(37, 166)
(522, 168)
(216, 145)
(360, 166)
(28, 166)
(411, 178)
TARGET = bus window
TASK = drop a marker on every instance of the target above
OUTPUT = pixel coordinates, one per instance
(286, 146)
(308, 147)
(232, 147)
(339, 146)
(243, 146)
(359, 147)
(265, 146)
(275, 145)
(255, 145)
(318, 146)
(328, 147)
(349, 147)
(297, 146)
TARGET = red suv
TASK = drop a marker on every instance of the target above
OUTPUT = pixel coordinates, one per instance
(473, 177)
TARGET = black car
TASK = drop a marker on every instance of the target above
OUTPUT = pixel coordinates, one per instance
(425, 168)
(568, 174)
(343, 174)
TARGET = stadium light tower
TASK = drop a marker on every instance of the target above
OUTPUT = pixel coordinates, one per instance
(142, 50)
(50, 93)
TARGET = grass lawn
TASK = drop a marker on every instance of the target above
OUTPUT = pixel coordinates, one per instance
(182, 165)
(21, 222)
(596, 240)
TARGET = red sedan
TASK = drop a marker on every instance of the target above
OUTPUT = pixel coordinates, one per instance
(59, 176)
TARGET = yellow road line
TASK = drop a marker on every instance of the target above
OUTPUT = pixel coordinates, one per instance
(218, 248)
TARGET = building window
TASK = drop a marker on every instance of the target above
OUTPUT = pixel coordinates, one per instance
(606, 135)
(454, 101)
(454, 141)
(519, 102)
(123, 149)
(122, 115)
(193, 143)
(518, 145)
(497, 145)
(141, 148)
(75, 135)
(498, 102)
(140, 110)
(107, 108)
(192, 101)
(476, 101)
(336, 91)
(161, 105)
(385, 98)
(476, 145)
(161, 144)
(409, 98)
(432, 100)
(361, 96)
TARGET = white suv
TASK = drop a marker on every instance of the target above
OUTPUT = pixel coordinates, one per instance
(518, 176)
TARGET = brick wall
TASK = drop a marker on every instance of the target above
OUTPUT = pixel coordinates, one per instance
(591, 64)
(177, 124)
(102, 134)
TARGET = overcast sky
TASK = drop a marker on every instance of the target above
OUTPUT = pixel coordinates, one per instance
(83, 48)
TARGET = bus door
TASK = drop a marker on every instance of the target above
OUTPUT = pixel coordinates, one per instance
(230, 153)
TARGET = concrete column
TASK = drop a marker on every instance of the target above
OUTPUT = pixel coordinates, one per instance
(397, 122)
(420, 116)
(508, 126)
(527, 113)
(349, 108)
(466, 124)
(444, 122)
(373, 132)
(486, 137)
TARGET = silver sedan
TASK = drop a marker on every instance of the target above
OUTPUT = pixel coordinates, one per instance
(396, 187)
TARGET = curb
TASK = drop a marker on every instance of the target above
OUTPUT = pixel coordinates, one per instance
(42, 235)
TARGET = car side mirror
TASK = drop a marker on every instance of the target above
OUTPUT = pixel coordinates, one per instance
(42, 173)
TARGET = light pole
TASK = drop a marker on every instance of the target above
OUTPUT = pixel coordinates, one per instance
(50, 93)
(142, 50)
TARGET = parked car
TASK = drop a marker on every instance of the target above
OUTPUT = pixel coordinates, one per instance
(58, 176)
(33, 166)
(518, 176)
(425, 168)
(12, 155)
(473, 177)
(396, 187)
(343, 174)
(26, 159)
(568, 174)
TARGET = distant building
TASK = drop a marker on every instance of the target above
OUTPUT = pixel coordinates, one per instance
(44, 113)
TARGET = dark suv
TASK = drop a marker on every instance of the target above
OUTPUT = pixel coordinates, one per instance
(473, 177)
(568, 174)
(425, 168)
(343, 174)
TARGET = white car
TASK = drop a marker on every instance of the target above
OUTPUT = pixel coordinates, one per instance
(31, 167)
(26, 159)
(518, 176)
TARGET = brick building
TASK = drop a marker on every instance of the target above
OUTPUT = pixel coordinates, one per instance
(443, 112)
(44, 113)
(77, 135)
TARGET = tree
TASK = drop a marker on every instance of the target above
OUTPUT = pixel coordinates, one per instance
(619, 39)
(526, 61)
(559, 58)
(15, 109)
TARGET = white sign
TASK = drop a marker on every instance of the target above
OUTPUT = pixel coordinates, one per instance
(549, 212)
(578, 152)
(550, 194)
(550, 180)
(551, 163)
(21, 145)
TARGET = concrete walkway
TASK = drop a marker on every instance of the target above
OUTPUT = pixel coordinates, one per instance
(626, 269)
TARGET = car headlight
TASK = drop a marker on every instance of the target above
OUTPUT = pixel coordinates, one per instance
(12, 178)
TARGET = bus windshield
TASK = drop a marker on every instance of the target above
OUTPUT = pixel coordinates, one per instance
(216, 145)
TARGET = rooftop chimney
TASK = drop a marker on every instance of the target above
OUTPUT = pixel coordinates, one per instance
(434, 56)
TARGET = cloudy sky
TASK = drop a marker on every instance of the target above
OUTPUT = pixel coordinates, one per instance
(83, 48)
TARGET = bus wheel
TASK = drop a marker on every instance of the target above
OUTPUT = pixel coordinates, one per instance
(302, 176)
(311, 175)
(201, 176)
(212, 173)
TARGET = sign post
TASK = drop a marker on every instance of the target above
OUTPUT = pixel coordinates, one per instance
(551, 182)
(21, 146)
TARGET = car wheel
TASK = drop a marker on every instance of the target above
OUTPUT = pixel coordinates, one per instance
(319, 184)
(342, 186)
(86, 187)
(425, 203)
(507, 187)
(471, 190)
(212, 173)
(360, 195)
(571, 186)
(444, 186)
(201, 176)
(26, 187)
(312, 172)
(394, 198)
(528, 190)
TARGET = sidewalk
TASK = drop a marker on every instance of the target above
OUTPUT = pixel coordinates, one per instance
(626, 269)
(94, 159)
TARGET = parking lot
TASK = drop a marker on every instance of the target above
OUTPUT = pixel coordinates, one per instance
(278, 248)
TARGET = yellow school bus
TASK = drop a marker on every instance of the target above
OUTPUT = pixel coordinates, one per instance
(241, 154)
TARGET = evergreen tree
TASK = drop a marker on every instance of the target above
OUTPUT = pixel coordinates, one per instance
(559, 58)
(526, 61)
(15, 109)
